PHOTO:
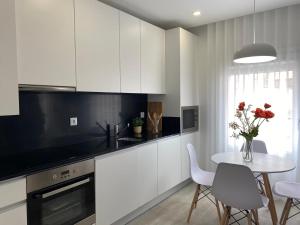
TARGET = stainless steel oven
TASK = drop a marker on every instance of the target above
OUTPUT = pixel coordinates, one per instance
(62, 196)
(189, 119)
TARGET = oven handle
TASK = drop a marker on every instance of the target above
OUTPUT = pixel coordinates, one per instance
(68, 187)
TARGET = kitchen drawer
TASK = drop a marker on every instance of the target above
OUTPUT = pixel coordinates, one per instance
(12, 192)
(14, 216)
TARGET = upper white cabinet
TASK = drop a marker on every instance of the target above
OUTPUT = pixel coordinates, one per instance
(130, 53)
(9, 96)
(181, 72)
(169, 164)
(152, 59)
(45, 42)
(188, 88)
(97, 46)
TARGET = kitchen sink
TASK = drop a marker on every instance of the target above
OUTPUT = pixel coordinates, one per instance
(129, 139)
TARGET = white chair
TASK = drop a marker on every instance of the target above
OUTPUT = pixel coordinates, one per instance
(235, 187)
(291, 191)
(203, 179)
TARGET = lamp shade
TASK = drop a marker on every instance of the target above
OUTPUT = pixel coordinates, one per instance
(255, 53)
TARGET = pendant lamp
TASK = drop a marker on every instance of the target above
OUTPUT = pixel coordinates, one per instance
(256, 52)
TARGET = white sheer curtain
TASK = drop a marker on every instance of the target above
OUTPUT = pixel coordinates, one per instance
(223, 84)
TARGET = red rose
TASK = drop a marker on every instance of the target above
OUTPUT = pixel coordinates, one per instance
(242, 106)
(269, 114)
(259, 113)
(267, 106)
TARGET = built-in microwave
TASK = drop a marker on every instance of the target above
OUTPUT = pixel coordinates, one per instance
(189, 118)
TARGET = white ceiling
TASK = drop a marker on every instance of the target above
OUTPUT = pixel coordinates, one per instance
(174, 13)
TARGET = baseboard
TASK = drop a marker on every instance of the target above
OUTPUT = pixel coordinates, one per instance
(151, 204)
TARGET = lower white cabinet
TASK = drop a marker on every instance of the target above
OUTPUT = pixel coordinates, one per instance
(14, 216)
(128, 179)
(147, 173)
(124, 182)
(12, 202)
(12, 192)
(185, 161)
(116, 186)
(169, 164)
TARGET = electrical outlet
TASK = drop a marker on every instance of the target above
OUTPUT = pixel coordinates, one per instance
(142, 115)
(73, 121)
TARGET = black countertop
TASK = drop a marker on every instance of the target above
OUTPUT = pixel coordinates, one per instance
(29, 163)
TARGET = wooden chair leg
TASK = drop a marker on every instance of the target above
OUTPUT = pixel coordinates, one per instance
(195, 199)
(284, 211)
(287, 211)
(255, 215)
(219, 212)
(226, 216)
(249, 218)
(198, 194)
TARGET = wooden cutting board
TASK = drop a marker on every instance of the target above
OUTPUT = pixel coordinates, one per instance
(154, 107)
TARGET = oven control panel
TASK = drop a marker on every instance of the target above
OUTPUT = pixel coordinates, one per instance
(58, 175)
(64, 175)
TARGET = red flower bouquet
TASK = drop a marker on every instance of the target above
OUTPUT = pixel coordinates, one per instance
(249, 122)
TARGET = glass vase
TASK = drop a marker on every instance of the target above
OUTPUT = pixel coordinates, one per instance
(247, 150)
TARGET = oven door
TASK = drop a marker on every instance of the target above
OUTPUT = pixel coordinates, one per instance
(68, 203)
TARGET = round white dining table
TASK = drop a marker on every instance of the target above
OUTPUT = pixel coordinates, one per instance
(262, 163)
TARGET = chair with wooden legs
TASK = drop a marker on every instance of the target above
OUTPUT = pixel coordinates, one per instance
(291, 191)
(235, 187)
(203, 179)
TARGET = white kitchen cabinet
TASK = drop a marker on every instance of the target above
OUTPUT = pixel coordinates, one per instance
(189, 138)
(169, 163)
(45, 42)
(9, 96)
(116, 186)
(188, 84)
(97, 46)
(12, 207)
(16, 215)
(152, 59)
(147, 173)
(130, 53)
(181, 72)
(12, 192)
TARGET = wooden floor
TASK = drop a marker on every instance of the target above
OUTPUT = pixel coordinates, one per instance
(174, 210)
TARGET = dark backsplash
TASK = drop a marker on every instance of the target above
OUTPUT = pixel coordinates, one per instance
(44, 119)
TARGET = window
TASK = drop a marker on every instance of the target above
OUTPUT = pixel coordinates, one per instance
(275, 88)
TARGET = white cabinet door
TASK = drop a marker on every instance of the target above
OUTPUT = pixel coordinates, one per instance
(130, 53)
(116, 186)
(152, 59)
(12, 192)
(97, 46)
(45, 42)
(147, 173)
(189, 138)
(14, 216)
(9, 96)
(169, 168)
(188, 82)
